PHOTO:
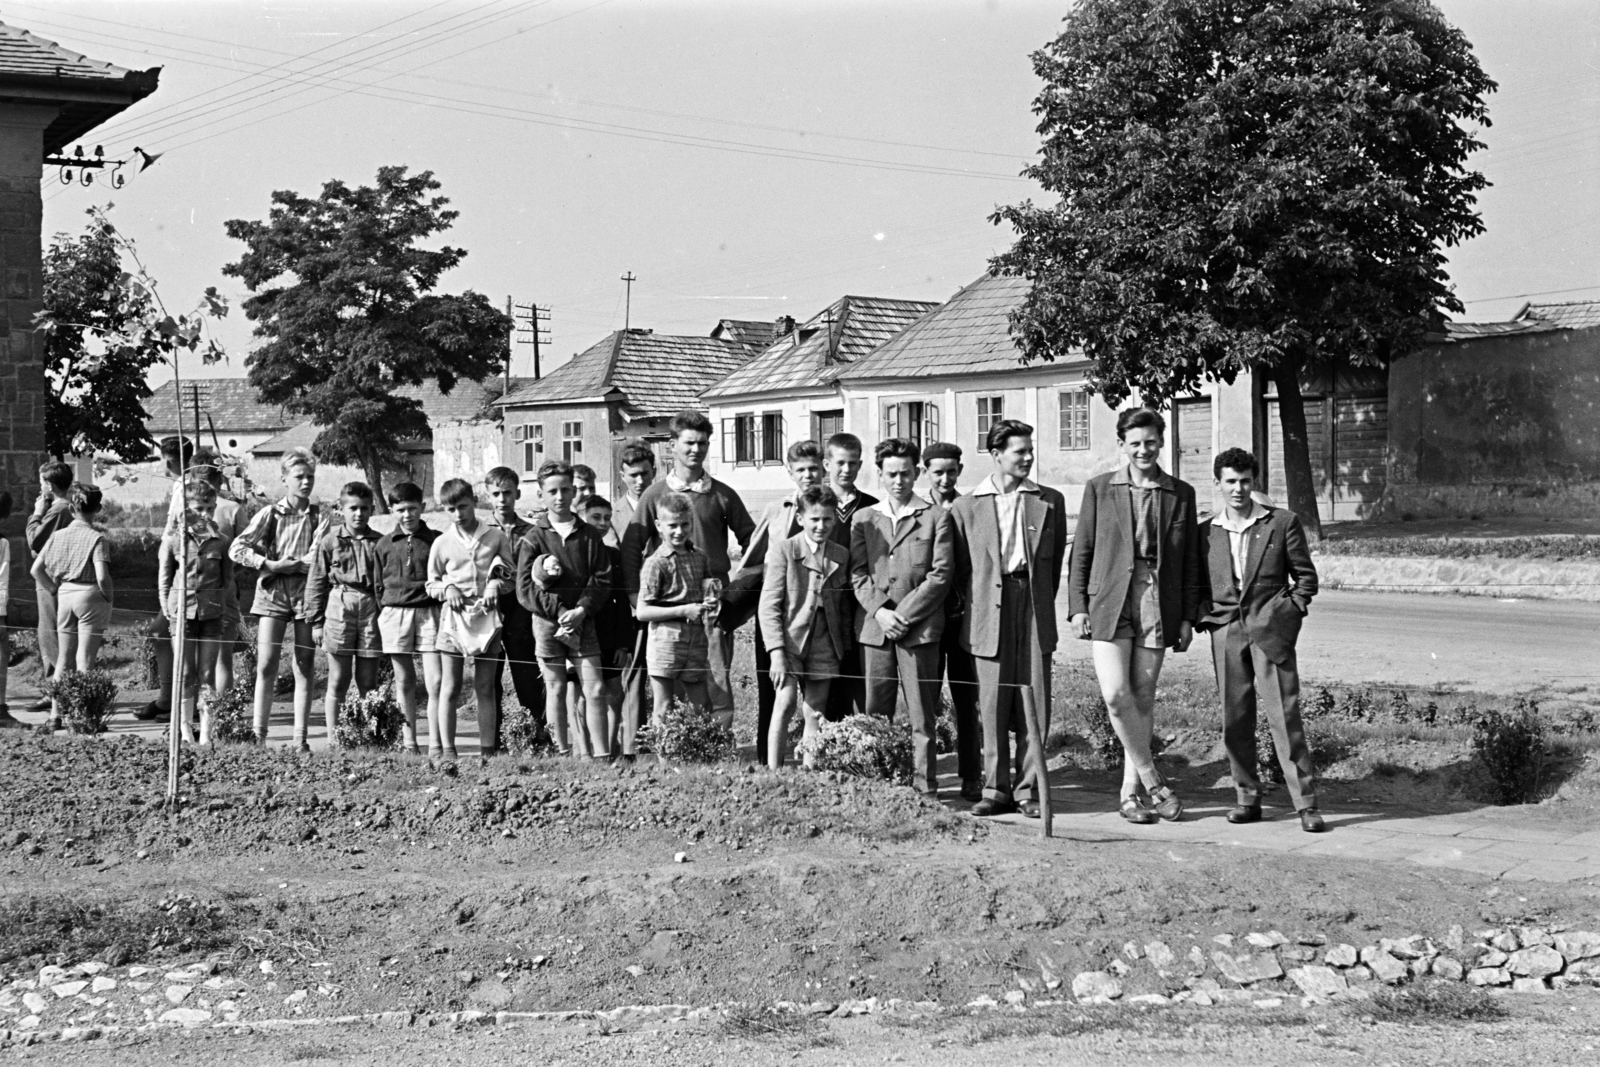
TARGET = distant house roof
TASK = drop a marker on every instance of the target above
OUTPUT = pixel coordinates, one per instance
(231, 403)
(823, 347)
(654, 375)
(467, 402)
(746, 332)
(970, 334)
(88, 91)
(1533, 318)
(302, 435)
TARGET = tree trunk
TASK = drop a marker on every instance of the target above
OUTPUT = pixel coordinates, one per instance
(374, 472)
(1299, 489)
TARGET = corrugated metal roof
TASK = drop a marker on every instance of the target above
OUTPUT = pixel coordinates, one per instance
(656, 375)
(823, 347)
(1570, 315)
(971, 333)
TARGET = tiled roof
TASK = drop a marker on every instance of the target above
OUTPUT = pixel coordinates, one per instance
(755, 334)
(467, 402)
(231, 403)
(971, 333)
(1572, 315)
(303, 434)
(32, 67)
(654, 374)
(1468, 331)
(823, 347)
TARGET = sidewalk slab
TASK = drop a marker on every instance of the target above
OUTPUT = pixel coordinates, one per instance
(1551, 870)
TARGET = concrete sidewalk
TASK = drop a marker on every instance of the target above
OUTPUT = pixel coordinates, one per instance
(1493, 841)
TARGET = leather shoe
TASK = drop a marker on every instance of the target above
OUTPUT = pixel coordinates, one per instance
(971, 789)
(1245, 813)
(1311, 821)
(1029, 809)
(990, 806)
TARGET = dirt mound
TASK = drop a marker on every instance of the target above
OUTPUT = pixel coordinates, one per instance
(96, 802)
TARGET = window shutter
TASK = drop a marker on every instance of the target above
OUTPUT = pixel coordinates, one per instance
(930, 424)
(891, 420)
(728, 439)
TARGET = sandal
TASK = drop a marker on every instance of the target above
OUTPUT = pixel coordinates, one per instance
(1166, 803)
(1136, 812)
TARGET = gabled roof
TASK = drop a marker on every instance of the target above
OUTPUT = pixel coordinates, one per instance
(88, 91)
(302, 435)
(822, 347)
(755, 334)
(655, 375)
(231, 403)
(467, 402)
(1533, 318)
(1570, 315)
(970, 334)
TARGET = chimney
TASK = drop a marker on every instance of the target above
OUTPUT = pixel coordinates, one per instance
(785, 325)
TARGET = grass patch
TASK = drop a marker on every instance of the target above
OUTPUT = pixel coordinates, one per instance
(37, 928)
(1432, 1001)
(310, 1050)
(1556, 548)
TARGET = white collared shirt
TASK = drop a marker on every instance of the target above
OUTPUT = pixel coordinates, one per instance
(913, 508)
(1238, 535)
(701, 484)
(1013, 545)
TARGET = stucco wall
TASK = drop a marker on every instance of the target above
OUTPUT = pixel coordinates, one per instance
(1501, 425)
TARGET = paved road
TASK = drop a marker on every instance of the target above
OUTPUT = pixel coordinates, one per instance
(1495, 646)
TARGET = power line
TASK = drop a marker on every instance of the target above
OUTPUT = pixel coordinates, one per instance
(601, 103)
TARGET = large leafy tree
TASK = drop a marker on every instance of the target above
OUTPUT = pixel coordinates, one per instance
(1246, 184)
(343, 298)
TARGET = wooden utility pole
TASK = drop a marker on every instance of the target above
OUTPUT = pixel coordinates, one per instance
(510, 348)
(627, 314)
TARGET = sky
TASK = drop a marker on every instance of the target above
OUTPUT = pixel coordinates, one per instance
(742, 159)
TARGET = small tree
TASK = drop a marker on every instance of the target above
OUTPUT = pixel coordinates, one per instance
(1259, 185)
(105, 328)
(356, 317)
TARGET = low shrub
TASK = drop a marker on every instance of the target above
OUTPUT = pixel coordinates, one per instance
(867, 746)
(1434, 1000)
(371, 720)
(1097, 730)
(232, 714)
(684, 733)
(84, 699)
(1511, 748)
(521, 732)
(944, 727)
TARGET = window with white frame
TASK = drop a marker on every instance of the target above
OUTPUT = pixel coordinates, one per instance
(1074, 420)
(771, 450)
(531, 437)
(991, 409)
(917, 420)
(572, 442)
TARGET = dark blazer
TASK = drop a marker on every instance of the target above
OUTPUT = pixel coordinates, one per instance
(785, 624)
(906, 567)
(1279, 581)
(1102, 555)
(975, 525)
(586, 569)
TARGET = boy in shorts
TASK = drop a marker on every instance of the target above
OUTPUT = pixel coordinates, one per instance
(805, 615)
(342, 595)
(503, 487)
(75, 568)
(564, 578)
(676, 598)
(469, 566)
(615, 627)
(278, 543)
(203, 553)
(408, 618)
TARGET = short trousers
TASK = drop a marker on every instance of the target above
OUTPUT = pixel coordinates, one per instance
(678, 649)
(407, 630)
(446, 643)
(81, 607)
(280, 596)
(549, 647)
(205, 629)
(820, 660)
(351, 625)
(1141, 611)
